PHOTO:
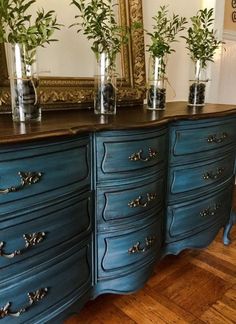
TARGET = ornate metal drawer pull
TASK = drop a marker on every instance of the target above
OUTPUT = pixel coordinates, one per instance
(213, 176)
(30, 241)
(27, 179)
(210, 211)
(139, 203)
(138, 156)
(138, 248)
(33, 298)
(215, 139)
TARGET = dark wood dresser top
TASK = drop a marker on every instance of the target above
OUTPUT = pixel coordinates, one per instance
(71, 122)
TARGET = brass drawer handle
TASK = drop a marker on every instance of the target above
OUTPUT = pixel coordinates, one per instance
(210, 211)
(33, 297)
(138, 156)
(138, 248)
(215, 139)
(137, 202)
(30, 241)
(213, 176)
(27, 179)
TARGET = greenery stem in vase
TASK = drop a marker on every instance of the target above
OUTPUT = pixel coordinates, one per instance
(202, 43)
(164, 34)
(97, 21)
(22, 36)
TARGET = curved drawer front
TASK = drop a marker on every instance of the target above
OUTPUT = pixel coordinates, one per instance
(136, 151)
(32, 170)
(126, 250)
(36, 231)
(128, 203)
(195, 178)
(201, 138)
(57, 280)
(185, 220)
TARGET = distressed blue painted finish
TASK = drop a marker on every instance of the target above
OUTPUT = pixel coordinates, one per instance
(200, 140)
(111, 204)
(194, 179)
(66, 276)
(60, 205)
(115, 149)
(125, 214)
(187, 218)
(200, 180)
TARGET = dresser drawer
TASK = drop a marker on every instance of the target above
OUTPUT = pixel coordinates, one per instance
(57, 283)
(36, 170)
(187, 219)
(128, 203)
(25, 235)
(133, 153)
(125, 250)
(201, 138)
(196, 178)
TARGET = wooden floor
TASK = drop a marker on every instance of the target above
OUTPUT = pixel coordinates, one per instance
(193, 287)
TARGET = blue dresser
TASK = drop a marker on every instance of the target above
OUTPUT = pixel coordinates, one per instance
(88, 205)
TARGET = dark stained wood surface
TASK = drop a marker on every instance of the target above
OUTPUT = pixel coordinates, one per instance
(70, 122)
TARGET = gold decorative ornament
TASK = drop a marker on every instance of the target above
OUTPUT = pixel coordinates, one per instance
(138, 155)
(27, 179)
(30, 241)
(33, 298)
(210, 211)
(138, 202)
(217, 139)
(139, 248)
(213, 175)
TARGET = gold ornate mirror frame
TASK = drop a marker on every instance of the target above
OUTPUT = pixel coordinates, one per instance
(65, 93)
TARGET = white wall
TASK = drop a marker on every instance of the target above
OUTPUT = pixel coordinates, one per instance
(178, 70)
(179, 64)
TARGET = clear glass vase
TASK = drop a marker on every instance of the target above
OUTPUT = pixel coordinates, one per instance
(23, 82)
(197, 86)
(156, 90)
(105, 87)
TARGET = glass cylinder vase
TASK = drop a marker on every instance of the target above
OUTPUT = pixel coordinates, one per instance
(197, 86)
(22, 69)
(156, 89)
(105, 86)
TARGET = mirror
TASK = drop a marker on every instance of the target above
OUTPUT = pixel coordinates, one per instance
(60, 91)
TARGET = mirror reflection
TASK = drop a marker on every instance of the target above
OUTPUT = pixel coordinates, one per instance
(72, 53)
(66, 67)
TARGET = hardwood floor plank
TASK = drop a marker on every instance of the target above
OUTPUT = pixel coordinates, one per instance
(169, 304)
(101, 311)
(169, 265)
(193, 288)
(227, 311)
(211, 316)
(231, 294)
(143, 309)
(217, 263)
(222, 275)
(223, 252)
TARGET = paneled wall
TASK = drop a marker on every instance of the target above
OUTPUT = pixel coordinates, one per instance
(226, 90)
(230, 15)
